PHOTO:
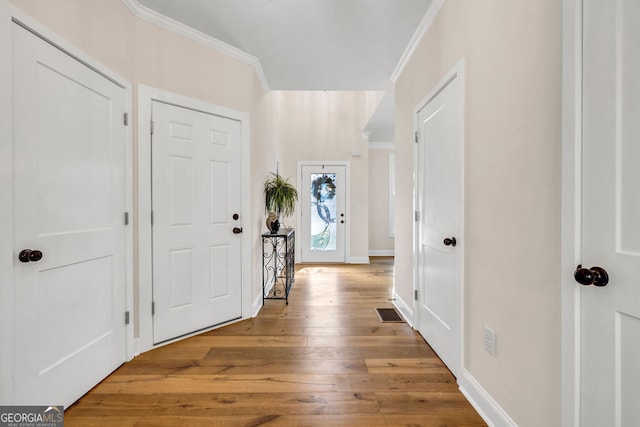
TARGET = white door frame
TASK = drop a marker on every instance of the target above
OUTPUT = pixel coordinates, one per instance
(571, 210)
(146, 95)
(347, 203)
(456, 72)
(9, 13)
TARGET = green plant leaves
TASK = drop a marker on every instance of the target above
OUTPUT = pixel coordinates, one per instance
(280, 195)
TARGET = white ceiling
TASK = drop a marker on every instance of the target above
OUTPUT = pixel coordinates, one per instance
(311, 44)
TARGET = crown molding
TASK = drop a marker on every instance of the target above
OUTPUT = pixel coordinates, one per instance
(426, 22)
(179, 28)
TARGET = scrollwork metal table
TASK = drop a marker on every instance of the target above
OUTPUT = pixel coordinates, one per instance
(278, 264)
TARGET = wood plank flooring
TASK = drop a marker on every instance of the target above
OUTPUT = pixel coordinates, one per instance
(323, 360)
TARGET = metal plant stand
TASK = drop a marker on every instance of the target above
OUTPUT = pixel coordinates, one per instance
(278, 264)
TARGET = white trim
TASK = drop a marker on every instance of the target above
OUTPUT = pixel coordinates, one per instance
(571, 210)
(392, 194)
(257, 305)
(381, 252)
(359, 260)
(146, 95)
(6, 207)
(7, 14)
(167, 23)
(131, 350)
(347, 207)
(457, 72)
(426, 22)
(414, 226)
(405, 309)
(483, 403)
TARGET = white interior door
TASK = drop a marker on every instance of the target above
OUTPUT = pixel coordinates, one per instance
(610, 315)
(69, 202)
(323, 213)
(196, 220)
(440, 225)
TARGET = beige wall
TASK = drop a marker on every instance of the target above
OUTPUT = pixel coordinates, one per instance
(379, 239)
(264, 150)
(512, 191)
(102, 29)
(144, 53)
(318, 125)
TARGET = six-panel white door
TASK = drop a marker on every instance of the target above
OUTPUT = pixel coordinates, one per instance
(440, 244)
(196, 177)
(69, 202)
(610, 315)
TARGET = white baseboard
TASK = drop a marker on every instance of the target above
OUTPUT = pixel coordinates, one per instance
(405, 310)
(382, 252)
(137, 345)
(256, 306)
(482, 401)
(359, 260)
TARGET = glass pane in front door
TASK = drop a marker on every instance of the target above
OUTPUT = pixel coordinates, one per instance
(323, 212)
(323, 215)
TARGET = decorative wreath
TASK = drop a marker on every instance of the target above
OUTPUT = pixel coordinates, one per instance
(323, 188)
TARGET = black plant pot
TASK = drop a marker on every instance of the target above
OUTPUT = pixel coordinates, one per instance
(275, 227)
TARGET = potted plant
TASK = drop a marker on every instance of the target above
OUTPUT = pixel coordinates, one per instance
(280, 198)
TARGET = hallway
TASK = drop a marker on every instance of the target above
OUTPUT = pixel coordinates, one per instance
(323, 360)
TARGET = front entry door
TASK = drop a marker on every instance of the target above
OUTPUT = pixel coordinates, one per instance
(197, 243)
(440, 225)
(323, 213)
(610, 315)
(69, 203)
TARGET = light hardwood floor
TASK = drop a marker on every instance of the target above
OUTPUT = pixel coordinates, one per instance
(323, 360)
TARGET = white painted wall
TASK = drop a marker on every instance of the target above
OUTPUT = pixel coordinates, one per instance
(512, 53)
(380, 242)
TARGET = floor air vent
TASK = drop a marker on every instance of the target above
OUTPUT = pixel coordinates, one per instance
(389, 315)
